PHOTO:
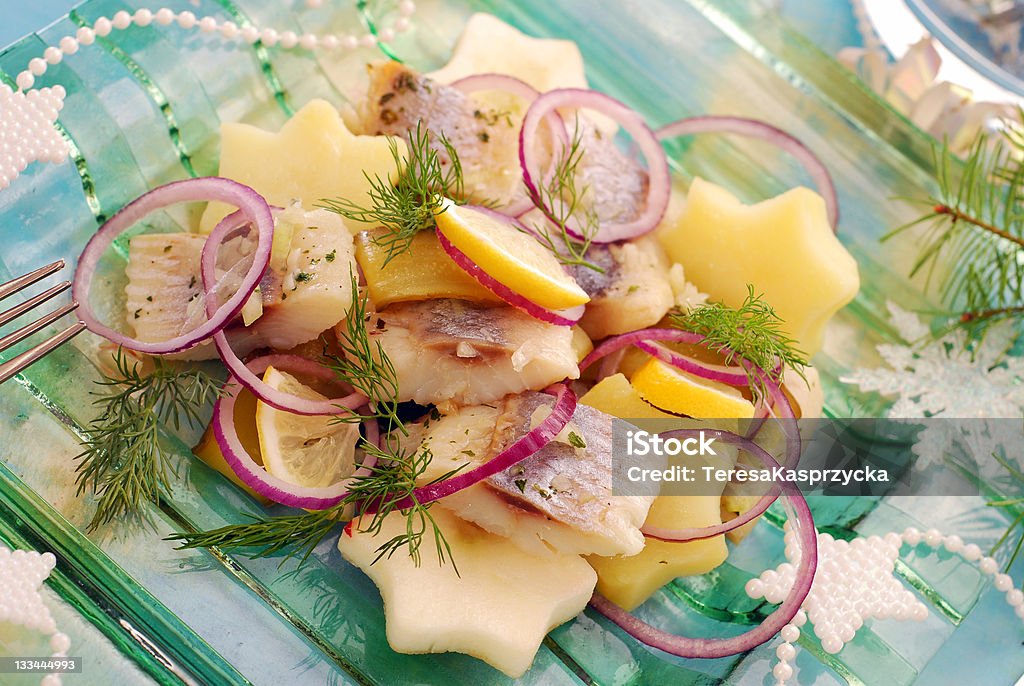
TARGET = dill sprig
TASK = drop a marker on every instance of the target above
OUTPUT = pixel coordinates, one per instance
(972, 245)
(408, 206)
(564, 199)
(749, 332)
(365, 366)
(123, 461)
(387, 488)
(389, 485)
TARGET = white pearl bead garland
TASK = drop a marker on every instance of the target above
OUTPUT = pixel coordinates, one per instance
(164, 16)
(27, 133)
(26, 138)
(855, 582)
(22, 573)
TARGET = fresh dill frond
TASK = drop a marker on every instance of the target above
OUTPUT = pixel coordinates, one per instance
(408, 206)
(564, 198)
(388, 486)
(364, 365)
(123, 462)
(293, 534)
(971, 249)
(752, 331)
(391, 486)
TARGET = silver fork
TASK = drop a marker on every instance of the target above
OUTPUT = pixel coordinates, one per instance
(19, 362)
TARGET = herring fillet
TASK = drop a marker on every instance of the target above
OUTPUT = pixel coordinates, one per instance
(453, 352)
(632, 293)
(558, 500)
(163, 282)
(483, 128)
(308, 292)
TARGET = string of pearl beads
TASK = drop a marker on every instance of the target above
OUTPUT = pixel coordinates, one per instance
(228, 30)
(932, 538)
(22, 573)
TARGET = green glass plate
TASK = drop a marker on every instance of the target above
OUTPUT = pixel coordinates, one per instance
(144, 107)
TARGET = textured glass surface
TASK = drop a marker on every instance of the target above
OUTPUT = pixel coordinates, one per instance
(144, 108)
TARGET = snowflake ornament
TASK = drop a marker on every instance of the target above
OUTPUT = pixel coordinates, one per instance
(27, 132)
(948, 379)
(945, 378)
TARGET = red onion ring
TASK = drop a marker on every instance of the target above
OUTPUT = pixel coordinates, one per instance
(754, 128)
(253, 475)
(496, 82)
(533, 441)
(559, 317)
(763, 503)
(615, 343)
(517, 87)
(250, 203)
(641, 338)
(239, 370)
(733, 376)
(659, 182)
(802, 522)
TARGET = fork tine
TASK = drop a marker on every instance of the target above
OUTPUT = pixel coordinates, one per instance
(41, 323)
(15, 285)
(20, 362)
(20, 309)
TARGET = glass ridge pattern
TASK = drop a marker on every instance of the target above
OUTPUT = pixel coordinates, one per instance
(327, 602)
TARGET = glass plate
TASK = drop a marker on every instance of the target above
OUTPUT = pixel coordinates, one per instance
(144, 108)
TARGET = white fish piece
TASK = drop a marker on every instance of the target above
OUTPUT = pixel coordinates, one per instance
(312, 290)
(306, 291)
(557, 501)
(634, 291)
(163, 280)
(498, 608)
(483, 128)
(452, 352)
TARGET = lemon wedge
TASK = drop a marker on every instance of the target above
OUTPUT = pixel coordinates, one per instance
(510, 256)
(312, 452)
(675, 391)
(208, 450)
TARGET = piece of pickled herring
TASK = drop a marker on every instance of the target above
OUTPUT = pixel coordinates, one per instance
(557, 500)
(453, 352)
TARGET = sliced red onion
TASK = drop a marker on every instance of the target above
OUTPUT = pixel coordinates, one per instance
(784, 411)
(534, 440)
(559, 317)
(616, 343)
(802, 522)
(659, 182)
(754, 128)
(517, 87)
(279, 399)
(496, 82)
(733, 376)
(243, 374)
(253, 475)
(250, 203)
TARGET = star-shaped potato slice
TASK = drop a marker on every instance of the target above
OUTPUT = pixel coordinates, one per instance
(498, 610)
(784, 247)
(313, 157)
(629, 581)
(489, 45)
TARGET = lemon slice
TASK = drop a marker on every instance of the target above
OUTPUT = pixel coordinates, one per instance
(675, 391)
(510, 256)
(208, 450)
(312, 452)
